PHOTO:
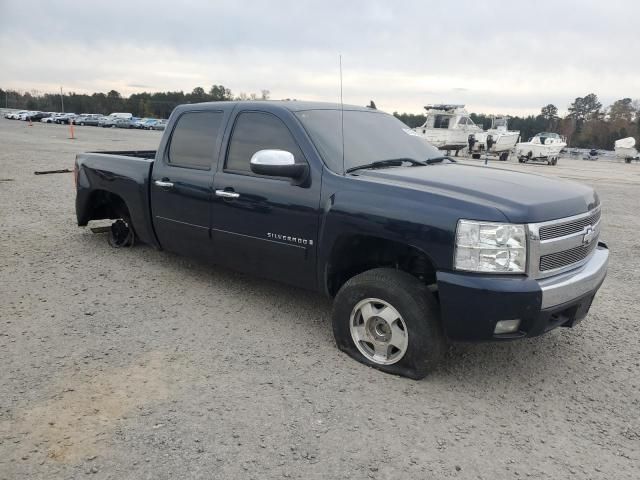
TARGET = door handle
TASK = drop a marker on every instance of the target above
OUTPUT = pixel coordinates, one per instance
(163, 184)
(226, 194)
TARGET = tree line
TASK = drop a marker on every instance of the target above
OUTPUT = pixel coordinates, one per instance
(158, 104)
(587, 124)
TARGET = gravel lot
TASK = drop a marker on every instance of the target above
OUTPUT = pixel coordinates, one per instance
(139, 364)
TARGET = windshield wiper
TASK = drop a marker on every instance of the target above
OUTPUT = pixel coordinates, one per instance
(392, 162)
(431, 161)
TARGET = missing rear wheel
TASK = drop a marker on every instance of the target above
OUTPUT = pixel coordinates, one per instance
(121, 234)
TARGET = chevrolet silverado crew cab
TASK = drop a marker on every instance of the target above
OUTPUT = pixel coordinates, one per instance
(414, 248)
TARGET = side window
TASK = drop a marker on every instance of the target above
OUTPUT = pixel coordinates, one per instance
(442, 121)
(254, 131)
(194, 140)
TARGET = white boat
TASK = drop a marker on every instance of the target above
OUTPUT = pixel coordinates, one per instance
(447, 127)
(625, 149)
(543, 147)
(498, 139)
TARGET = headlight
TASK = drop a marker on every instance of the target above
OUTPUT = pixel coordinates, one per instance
(490, 247)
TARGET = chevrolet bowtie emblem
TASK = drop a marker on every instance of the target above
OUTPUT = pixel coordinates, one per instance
(589, 235)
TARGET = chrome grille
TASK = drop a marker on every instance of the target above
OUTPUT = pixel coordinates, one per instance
(562, 229)
(558, 246)
(556, 260)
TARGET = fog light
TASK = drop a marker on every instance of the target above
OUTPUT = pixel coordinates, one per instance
(507, 326)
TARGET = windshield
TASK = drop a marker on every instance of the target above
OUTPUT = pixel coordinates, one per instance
(368, 137)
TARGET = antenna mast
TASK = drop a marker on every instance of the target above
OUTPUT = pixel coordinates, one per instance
(341, 112)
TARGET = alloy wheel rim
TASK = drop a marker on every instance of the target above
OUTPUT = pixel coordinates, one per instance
(379, 331)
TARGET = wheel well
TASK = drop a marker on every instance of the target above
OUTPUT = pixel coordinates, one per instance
(107, 205)
(358, 253)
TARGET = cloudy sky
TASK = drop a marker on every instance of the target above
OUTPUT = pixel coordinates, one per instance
(494, 56)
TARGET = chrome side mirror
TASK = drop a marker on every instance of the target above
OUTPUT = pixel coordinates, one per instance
(277, 163)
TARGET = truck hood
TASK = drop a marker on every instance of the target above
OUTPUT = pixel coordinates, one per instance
(521, 197)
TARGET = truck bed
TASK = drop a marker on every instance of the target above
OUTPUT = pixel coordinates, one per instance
(123, 174)
(148, 154)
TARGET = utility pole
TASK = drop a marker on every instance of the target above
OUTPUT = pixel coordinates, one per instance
(61, 100)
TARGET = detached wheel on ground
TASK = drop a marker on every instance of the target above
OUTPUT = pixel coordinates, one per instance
(389, 320)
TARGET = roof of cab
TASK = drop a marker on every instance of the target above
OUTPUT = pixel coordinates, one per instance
(291, 105)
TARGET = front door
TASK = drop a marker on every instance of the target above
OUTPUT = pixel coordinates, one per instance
(182, 180)
(265, 225)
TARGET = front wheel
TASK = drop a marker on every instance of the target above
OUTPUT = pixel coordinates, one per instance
(389, 320)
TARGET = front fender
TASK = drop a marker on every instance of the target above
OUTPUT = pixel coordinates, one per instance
(423, 219)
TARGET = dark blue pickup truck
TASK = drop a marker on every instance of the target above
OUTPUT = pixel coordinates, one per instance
(415, 249)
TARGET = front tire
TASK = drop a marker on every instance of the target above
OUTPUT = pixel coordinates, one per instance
(389, 320)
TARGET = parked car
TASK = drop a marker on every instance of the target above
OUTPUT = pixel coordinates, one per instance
(128, 116)
(138, 122)
(146, 123)
(16, 115)
(25, 116)
(37, 116)
(90, 119)
(123, 123)
(414, 248)
(159, 125)
(51, 118)
(65, 118)
(107, 122)
(29, 114)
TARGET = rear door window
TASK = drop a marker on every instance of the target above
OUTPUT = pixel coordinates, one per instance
(195, 139)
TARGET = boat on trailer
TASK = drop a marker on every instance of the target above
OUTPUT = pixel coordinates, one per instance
(447, 127)
(625, 149)
(544, 147)
(498, 140)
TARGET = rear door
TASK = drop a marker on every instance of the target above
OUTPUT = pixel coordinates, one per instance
(266, 225)
(181, 182)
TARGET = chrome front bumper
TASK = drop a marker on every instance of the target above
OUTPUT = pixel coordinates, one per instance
(570, 285)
